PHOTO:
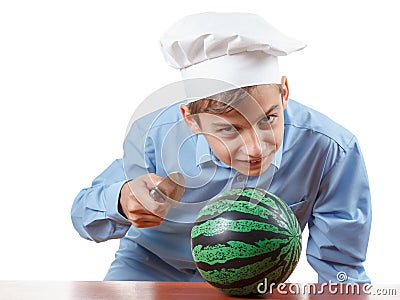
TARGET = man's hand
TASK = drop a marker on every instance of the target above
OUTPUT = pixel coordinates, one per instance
(137, 204)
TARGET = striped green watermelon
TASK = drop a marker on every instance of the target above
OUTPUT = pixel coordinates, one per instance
(245, 237)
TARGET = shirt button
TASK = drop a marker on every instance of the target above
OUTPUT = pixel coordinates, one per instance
(240, 178)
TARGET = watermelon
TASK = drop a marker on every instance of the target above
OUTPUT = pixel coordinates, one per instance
(243, 238)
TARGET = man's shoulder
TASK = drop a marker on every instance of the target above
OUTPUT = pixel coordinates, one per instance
(303, 119)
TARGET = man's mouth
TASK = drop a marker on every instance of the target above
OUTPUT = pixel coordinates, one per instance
(252, 161)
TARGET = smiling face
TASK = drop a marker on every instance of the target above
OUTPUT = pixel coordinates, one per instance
(248, 136)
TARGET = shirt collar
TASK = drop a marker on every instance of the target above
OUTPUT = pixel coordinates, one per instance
(278, 158)
(204, 154)
(203, 151)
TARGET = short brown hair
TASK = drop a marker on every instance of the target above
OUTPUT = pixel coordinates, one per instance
(223, 102)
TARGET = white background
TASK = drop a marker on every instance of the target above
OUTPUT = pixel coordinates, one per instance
(72, 73)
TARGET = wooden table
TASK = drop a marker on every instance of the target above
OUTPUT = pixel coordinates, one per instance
(58, 290)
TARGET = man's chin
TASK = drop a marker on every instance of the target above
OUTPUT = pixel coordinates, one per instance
(252, 172)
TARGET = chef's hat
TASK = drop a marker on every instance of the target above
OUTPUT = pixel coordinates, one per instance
(237, 48)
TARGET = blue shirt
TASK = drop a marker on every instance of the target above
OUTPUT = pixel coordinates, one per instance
(318, 171)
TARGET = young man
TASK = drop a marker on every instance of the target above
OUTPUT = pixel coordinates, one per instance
(236, 128)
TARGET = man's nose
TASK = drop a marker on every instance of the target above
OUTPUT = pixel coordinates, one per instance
(252, 144)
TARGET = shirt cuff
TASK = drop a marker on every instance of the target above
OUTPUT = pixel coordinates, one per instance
(112, 199)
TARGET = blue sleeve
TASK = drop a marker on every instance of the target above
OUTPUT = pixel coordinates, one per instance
(339, 227)
(95, 213)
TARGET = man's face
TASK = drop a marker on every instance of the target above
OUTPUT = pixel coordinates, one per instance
(248, 136)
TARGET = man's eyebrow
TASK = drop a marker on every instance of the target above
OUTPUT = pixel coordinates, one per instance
(272, 108)
(225, 124)
(222, 124)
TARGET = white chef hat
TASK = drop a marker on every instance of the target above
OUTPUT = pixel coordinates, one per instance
(240, 49)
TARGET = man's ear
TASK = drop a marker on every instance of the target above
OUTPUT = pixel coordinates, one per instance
(285, 91)
(189, 119)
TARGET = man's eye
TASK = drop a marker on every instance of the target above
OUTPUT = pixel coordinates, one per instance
(267, 121)
(227, 129)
